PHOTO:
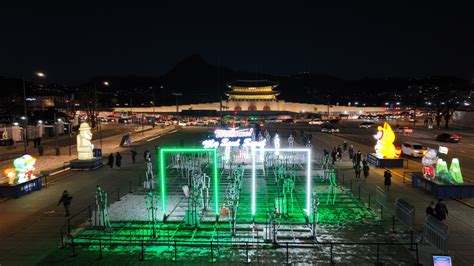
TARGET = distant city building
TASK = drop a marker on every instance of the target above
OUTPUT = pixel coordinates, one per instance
(257, 97)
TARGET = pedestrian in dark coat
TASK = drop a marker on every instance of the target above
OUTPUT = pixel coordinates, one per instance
(339, 153)
(357, 170)
(66, 201)
(118, 160)
(441, 210)
(387, 179)
(430, 209)
(351, 152)
(359, 157)
(333, 155)
(111, 160)
(366, 170)
(344, 145)
(134, 155)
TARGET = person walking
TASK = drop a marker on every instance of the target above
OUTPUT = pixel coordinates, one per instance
(430, 209)
(111, 160)
(66, 201)
(344, 145)
(351, 152)
(387, 179)
(134, 155)
(366, 169)
(333, 155)
(359, 157)
(441, 210)
(357, 171)
(339, 153)
(118, 160)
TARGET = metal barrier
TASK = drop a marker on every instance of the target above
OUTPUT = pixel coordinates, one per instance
(372, 249)
(407, 176)
(405, 213)
(436, 233)
(83, 217)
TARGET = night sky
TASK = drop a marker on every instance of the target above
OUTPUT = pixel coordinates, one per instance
(73, 43)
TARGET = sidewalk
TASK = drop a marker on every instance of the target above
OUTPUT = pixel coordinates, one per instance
(109, 145)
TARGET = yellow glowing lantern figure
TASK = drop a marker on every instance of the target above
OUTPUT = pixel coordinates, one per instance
(385, 138)
(10, 173)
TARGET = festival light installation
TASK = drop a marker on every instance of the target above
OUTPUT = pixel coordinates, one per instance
(453, 175)
(24, 167)
(233, 133)
(308, 176)
(162, 152)
(385, 138)
(276, 144)
(429, 159)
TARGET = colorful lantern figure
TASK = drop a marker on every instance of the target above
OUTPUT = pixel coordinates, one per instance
(24, 167)
(428, 161)
(453, 175)
(385, 138)
(455, 171)
(10, 173)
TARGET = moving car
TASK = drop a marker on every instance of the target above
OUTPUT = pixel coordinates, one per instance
(413, 149)
(315, 122)
(327, 128)
(445, 137)
(366, 125)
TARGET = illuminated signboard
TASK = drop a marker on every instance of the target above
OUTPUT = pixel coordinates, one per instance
(442, 261)
(233, 133)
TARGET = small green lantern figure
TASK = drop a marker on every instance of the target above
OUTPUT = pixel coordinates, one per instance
(332, 185)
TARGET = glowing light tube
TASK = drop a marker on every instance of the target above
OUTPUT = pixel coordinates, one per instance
(162, 160)
(308, 176)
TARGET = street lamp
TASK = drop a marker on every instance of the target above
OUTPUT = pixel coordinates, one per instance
(177, 94)
(25, 113)
(105, 83)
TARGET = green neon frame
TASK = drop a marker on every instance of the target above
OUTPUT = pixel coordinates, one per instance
(308, 175)
(161, 153)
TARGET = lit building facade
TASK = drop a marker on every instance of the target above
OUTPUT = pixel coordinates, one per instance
(257, 97)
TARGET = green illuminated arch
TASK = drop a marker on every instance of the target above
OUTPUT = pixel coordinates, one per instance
(161, 157)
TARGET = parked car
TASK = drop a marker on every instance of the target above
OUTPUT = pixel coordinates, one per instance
(445, 137)
(366, 125)
(315, 122)
(404, 130)
(182, 124)
(200, 123)
(413, 149)
(327, 128)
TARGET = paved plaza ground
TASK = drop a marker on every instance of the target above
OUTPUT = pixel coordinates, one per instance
(30, 227)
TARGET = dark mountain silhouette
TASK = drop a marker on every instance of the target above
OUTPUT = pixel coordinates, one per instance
(201, 82)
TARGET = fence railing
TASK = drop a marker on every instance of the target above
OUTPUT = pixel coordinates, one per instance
(83, 217)
(372, 250)
(436, 233)
(407, 176)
